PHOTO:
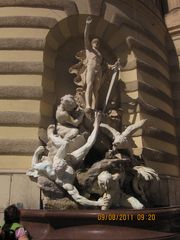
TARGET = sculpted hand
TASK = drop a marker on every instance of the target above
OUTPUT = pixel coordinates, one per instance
(89, 20)
(103, 201)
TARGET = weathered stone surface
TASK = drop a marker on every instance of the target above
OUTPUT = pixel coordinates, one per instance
(21, 67)
(67, 5)
(50, 187)
(154, 111)
(90, 7)
(60, 204)
(153, 50)
(5, 182)
(160, 156)
(27, 21)
(28, 199)
(23, 146)
(20, 92)
(22, 44)
(19, 118)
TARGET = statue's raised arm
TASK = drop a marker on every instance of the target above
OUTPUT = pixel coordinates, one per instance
(87, 43)
(89, 69)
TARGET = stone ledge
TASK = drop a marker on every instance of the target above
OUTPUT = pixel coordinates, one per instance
(84, 224)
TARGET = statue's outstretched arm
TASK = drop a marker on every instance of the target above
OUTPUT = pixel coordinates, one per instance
(73, 192)
(81, 153)
(87, 43)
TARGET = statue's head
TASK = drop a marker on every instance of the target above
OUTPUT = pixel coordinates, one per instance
(68, 103)
(95, 43)
(104, 179)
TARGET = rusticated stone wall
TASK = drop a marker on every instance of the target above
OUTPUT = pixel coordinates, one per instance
(172, 20)
(34, 37)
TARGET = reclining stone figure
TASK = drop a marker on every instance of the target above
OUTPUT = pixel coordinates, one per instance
(62, 169)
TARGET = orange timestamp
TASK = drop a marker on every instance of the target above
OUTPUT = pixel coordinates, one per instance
(126, 217)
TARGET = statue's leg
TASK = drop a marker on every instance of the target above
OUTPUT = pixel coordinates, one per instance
(90, 75)
(81, 153)
(73, 192)
(96, 87)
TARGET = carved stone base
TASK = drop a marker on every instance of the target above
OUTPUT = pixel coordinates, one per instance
(61, 204)
(91, 224)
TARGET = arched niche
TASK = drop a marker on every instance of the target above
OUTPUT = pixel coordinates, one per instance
(63, 41)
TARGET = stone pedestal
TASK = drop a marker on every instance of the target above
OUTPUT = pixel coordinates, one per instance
(114, 224)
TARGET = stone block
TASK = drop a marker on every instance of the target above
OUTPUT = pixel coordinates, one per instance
(5, 182)
(24, 192)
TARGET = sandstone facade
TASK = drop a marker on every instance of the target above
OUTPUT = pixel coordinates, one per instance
(38, 40)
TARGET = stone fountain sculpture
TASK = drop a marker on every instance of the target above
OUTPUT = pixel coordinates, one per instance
(64, 168)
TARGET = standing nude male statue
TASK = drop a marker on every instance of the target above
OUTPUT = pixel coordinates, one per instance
(94, 69)
(90, 70)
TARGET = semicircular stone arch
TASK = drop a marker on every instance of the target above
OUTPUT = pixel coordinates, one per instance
(64, 40)
(33, 37)
(36, 32)
(145, 87)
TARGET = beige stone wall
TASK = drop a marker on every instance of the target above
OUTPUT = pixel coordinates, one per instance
(172, 20)
(16, 188)
(33, 36)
